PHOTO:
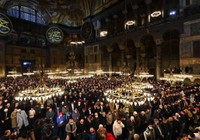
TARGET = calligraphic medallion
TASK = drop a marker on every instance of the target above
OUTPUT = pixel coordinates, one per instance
(5, 25)
(54, 35)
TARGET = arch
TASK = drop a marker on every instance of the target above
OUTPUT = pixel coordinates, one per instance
(116, 57)
(130, 48)
(197, 81)
(14, 7)
(187, 81)
(104, 53)
(170, 48)
(149, 46)
(104, 57)
(172, 34)
(103, 49)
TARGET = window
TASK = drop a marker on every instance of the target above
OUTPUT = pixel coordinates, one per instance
(26, 13)
(13, 11)
(41, 42)
(186, 50)
(196, 49)
(195, 28)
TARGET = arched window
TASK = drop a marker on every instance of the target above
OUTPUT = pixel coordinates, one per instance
(13, 11)
(26, 13)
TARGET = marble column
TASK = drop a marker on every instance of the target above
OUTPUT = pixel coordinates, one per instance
(137, 54)
(148, 2)
(110, 49)
(2, 59)
(144, 63)
(122, 48)
(158, 57)
(181, 6)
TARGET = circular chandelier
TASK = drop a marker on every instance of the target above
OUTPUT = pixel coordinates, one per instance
(133, 93)
(143, 75)
(13, 74)
(39, 94)
(176, 77)
(71, 77)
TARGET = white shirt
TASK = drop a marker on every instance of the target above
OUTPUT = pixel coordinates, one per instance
(117, 128)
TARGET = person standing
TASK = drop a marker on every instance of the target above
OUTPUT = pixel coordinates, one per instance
(81, 129)
(130, 127)
(60, 120)
(50, 114)
(109, 121)
(117, 129)
(158, 131)
(145, 135)
(71, 129)
(101, 133)
(13, 117)
(22, 119)
(31, 115)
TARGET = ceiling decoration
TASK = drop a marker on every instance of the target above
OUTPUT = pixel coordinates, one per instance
(66, 12)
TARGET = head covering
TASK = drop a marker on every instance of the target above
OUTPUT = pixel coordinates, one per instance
(142, 112)
(135, 113)
(131, 117)
(100, 125)
(5, 110)
(147, 132)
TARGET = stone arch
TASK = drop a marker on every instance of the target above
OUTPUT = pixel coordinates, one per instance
(31, 4)
(104, 57)
(130, 48)
(148, 53)
(197, 81)
(116, 57)
(130, 53)
(187, 81)
(170, 48)
(149, 46)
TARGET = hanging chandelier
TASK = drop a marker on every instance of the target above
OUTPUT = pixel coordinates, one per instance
(176, 77)
(13, 74)
(133, 93)
(143, 75)
(41, 93)
(71, 77)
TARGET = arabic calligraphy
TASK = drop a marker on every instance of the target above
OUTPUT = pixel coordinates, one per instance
(54, 35)
(5, 25)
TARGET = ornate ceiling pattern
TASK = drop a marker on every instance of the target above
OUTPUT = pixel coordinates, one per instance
(66, 12)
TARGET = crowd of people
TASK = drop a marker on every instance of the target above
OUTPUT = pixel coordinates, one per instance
(83, 113)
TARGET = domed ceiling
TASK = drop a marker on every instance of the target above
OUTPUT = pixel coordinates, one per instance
(66, 12)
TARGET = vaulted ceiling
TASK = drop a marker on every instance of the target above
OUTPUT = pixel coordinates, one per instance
(67, 12)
